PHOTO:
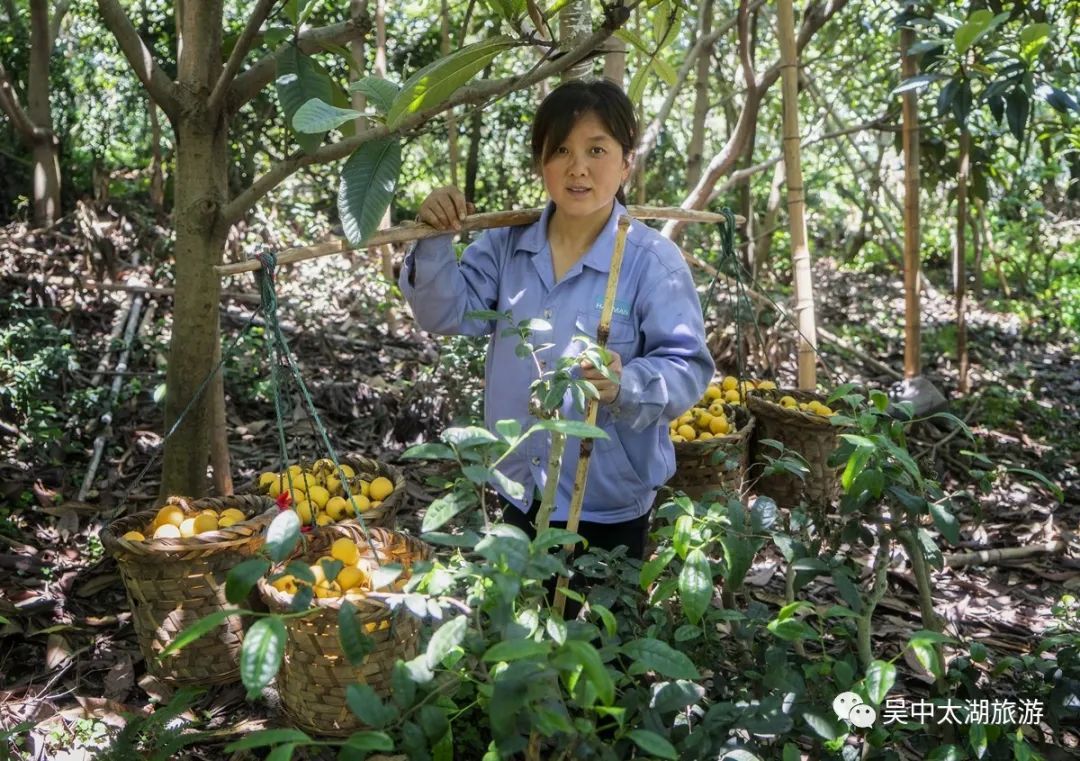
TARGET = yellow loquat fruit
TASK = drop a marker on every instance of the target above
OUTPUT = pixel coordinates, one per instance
(206, 522)
(345, 550)
(381, 488)
(167, 531)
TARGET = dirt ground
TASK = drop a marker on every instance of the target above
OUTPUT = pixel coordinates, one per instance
(69, 663)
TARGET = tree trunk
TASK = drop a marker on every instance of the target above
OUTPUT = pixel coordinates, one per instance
(357, 49)
(959, 262)
(202, 160)
(912, 317)
(615, 63)
(451, 119)
(46, 148)
(386, 254)
(756, 87)
(763, 242)
(220, 464)
(977, 249)
(575, 23)
(157, 174)
(472, 160)
(744, 205)
(800, 252)
(696, 149)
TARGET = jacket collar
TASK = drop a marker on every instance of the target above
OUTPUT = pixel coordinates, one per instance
(533, 238)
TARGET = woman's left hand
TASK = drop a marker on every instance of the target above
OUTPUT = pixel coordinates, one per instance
(607, 389)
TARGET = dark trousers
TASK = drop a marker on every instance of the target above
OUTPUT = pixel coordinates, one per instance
(606, 536)
(633, 533)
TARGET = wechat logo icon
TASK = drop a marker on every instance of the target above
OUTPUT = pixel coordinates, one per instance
(849, 707)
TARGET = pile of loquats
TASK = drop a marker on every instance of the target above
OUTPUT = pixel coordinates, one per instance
(175, 521)
(713, 416)
(814, 407)
(318, 494)
(342, 573)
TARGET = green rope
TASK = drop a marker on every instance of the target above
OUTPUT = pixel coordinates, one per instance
(281, 354)
(740, 277)
(728, 257)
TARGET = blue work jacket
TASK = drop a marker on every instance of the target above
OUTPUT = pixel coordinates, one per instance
(656, 328)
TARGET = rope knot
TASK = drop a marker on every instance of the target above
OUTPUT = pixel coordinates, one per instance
(265, 277)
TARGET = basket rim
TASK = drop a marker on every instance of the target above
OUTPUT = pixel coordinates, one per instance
(212, 541)
(765, 406)
(727, 439)
(383, 512)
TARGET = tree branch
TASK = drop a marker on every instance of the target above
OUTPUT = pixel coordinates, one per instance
(479, 93)
(815, 17)
(652, 132)
(250, 82)
(57, 19)
(725, 160)
(162, 89)
(239, 52)
(9, 104)
(739, 175)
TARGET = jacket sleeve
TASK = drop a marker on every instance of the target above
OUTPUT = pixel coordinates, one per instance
(442, 291)
(676, 366)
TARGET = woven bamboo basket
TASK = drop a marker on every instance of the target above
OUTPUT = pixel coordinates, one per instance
(718, 464)
(385, 514)
(172, 583)
(812, 436)
(315, 671)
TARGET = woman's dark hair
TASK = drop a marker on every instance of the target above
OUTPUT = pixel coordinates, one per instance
(568, 102)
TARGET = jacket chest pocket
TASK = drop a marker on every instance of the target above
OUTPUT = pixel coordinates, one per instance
(623, 337)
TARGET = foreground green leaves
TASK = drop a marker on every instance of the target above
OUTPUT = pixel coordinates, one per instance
(261, 654)
(437, 81)
(368, 181)
(300, 79)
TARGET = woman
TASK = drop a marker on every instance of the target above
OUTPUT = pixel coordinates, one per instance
(556, 270)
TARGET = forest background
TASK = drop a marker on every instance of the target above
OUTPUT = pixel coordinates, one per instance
(109, 237)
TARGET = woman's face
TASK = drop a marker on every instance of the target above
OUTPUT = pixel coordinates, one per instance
(583, 174)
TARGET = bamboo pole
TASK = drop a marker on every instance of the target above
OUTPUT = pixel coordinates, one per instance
(411, 231)
(912, 318)
(114, 393)
(585, 451)
(800, 252)
(987, 557)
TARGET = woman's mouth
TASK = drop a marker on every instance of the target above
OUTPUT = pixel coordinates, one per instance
(578, 191)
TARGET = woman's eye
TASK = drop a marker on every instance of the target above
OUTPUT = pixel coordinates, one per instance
(598, 151)
(561, 150)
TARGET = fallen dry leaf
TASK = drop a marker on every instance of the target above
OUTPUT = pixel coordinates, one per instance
(57, 652)
(120, 679)
(97, 584)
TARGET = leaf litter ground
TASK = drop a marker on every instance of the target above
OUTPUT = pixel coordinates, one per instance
(69, 663)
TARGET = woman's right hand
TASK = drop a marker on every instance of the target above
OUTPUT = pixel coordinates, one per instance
(445, 209)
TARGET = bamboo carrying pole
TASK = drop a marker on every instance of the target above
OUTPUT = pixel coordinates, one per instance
(800, 252)
(585, 451)
(411, 231)
(912, 348)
